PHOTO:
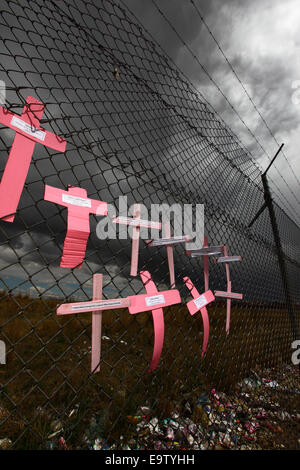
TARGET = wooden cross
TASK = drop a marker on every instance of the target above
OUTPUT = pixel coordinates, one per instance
(169, 242)
(78, 225)
(154, 301)
(137, 223)
(28, 133)
(199, 302)
(96, 306)
(229, 295)
(205, 251)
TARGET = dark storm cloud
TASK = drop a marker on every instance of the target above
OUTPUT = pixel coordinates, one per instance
(260, 38)
(135, 131)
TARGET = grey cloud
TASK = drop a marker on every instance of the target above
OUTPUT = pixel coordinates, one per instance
(144, 147)
(260, 38)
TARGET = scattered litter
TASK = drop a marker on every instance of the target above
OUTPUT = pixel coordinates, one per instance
(62, 443)
(261, 413)
(57, 428)
(272, 384)
(5, 444)
(251, 418)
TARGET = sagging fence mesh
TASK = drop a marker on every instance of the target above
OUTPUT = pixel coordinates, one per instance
(134, 127)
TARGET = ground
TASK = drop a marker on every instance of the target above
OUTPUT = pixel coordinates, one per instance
(243, 394)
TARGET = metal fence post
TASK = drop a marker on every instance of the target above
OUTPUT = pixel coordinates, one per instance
(280, 255)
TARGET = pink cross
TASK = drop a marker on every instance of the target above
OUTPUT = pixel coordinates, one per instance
(137, 223)
(205, 251)
(199, 302)
(96, 306)
(78, 229)
(206, 265)
(169, 242)
(228, 294)
(154, 301)
(28, 133)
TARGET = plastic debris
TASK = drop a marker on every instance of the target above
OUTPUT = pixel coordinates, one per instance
(5, 443)
(251, 417)
(272, 384)
(62, 443)
(216, 420)
(134, 419)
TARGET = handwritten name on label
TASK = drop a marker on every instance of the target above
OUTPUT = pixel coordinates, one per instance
(168, 241)
(76, 201)
(136, 222)
(200, 302)
(228, 259)
(233, 296)
(213, 250)
(229, 295)
(155, 300)
(113, 303)
(28, 128)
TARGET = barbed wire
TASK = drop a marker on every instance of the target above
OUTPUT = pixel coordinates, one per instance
(243, 87)
(289, 208)
(231, 106)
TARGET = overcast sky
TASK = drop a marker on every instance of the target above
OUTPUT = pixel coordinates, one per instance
(261, 40)
(142, 131)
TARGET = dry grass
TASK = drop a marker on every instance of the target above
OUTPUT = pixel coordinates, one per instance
(47, 373)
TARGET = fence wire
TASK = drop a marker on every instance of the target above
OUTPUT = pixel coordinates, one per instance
(134, 127)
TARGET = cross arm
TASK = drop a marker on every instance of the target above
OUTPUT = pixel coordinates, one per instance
(92, 306)
(28, 126)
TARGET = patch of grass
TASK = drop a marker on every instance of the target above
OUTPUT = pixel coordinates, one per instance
(48, 364)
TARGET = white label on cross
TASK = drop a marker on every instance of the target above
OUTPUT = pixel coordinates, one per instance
(200, 302)
(231, 295)
(76, 201)
(155, 300)
(113, 303)
(136, 222)
(169, 241)
(211, 250)
(228, 259)
(28, 128)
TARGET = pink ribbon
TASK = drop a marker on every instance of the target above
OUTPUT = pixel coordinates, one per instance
(199, 302)
(154, 301)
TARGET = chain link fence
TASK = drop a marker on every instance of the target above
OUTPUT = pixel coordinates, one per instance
(134, 127)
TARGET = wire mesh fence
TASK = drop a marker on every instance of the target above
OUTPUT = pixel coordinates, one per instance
(134, 127)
